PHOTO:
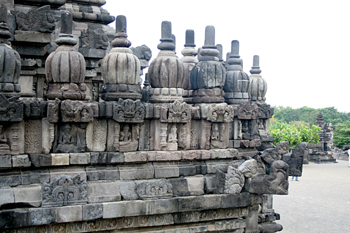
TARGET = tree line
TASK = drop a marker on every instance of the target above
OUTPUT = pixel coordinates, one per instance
(304, 120)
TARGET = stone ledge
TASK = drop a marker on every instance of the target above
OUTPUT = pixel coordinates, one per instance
(137, 213)
(110, 158)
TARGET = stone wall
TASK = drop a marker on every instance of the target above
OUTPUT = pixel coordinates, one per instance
(84, 149)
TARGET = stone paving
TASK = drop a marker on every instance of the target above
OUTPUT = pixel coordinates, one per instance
(318, 202)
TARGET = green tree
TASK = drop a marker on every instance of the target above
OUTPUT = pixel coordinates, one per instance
(293, 134)
(341, 134)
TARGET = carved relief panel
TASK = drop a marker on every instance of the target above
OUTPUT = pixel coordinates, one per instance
(70, 138)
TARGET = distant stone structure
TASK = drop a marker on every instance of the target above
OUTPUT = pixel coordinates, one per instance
(322, 151)
(83, 148)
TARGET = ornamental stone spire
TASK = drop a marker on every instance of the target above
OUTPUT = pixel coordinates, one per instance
(121, 68)
(208, 76)
(166, 72)
(258, 86)
(10, 61)
(237, 81)
(65, 68)
(189, 58)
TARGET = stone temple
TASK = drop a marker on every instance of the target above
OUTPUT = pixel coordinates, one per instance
(85, 148)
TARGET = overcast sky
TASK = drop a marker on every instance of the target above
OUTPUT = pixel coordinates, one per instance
(304, 45)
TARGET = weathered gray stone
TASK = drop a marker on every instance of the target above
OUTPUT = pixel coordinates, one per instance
(187, 169)
(6, 196)
(199, 203)
(35, 177)
(42, 216)
(28, 194)
(128, 190)
(10, 179)
(195, 185)
(166, 169)
(154, 189)
(93, 211)
(236, 200)
(5, 161)
(161, 206)
(69, 214)
(79, 158)
(98, 192)
(180, 186)
(135, 157)
(136, 172)
(20, 161)
(113, 210)
(102, 173)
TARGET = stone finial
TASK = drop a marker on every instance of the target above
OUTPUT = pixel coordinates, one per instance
(10, 61)
(66, 23)
(219, 48)
(166, 71)
(255, 68)
(208, 76)
(209, 41)
(209, 50)
(66, 37)
(234, 61)
(66, 81)
(167, 42)
(4, 29)
(237, 82)
(189, 57)
(121, 68)
(258, 86)
(120, 33)
(174, 41)
(189, 41)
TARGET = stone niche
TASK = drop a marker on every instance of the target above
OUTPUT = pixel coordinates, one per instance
(124, 127)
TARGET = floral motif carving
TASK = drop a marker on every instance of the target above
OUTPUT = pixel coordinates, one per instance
(64, 190)
(178, 112)
(10, 109)
(248, 111)
(154, 189)
(221, 113)
(129, 111)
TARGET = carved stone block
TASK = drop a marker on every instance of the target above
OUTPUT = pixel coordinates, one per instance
(276, 182)
(33, 137)
(96, 135)
(10, 109)
(70, 138)
(248, 111)
(64, 190)
(35, 109)
(154, 189)
(221, 113)
(177, 112)
(78, 111)
(37, 19)
(128, 111)
(219, 135)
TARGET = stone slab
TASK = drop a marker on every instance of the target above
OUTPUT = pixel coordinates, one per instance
(99, 192)
(69, 214)
(20, 161)
(6, 196)
(79, 158)
(60, 159)
(28, 194)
